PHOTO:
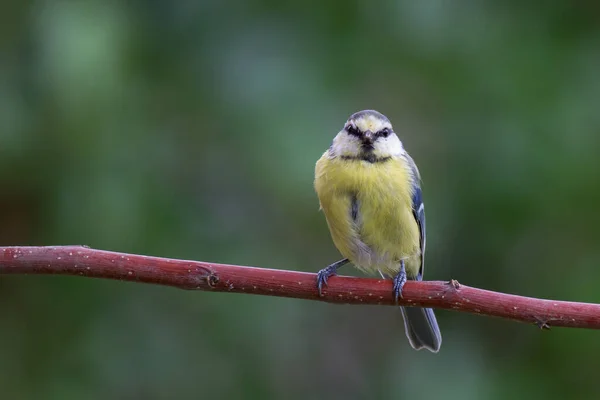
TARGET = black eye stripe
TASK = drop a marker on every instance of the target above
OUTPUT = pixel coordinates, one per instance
(352, 130)
(385, 132)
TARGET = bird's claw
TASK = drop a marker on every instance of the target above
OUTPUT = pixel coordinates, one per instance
(399, 281)
(328, 272)
(322, 277)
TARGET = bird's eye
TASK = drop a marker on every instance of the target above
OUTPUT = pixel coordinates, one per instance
(385, 132)
(352, 130)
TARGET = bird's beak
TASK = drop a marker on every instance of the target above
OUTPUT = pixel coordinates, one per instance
(368, 136)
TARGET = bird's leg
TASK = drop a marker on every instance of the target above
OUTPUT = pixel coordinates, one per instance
(325, 273)
(399, 281)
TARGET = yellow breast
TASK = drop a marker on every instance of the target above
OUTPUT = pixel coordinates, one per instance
(384, 230)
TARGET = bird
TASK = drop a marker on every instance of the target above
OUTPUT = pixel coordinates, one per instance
(369, 189)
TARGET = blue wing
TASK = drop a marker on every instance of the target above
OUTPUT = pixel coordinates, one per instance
(418, 209)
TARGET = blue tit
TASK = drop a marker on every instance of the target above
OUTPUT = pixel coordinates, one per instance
(370, 192)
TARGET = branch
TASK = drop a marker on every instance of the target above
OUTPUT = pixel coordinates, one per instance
(83, 261)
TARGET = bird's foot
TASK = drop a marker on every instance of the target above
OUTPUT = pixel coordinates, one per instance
(323, 275)
(399, 281)
(328, 272)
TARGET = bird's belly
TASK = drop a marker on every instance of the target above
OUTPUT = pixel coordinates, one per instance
(386, 233)
(368, 208)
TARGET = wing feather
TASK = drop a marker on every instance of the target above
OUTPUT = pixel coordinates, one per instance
(418, 210)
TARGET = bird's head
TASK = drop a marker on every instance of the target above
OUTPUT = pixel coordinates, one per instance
(367, 135)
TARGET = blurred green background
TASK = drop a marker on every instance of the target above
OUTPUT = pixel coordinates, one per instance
(191, 129)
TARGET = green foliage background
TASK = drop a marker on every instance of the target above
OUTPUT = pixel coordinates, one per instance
(191, 129)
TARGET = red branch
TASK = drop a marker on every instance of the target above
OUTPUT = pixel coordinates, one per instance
(83, 261)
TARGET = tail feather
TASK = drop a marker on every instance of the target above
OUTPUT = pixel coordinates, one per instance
(422, 328)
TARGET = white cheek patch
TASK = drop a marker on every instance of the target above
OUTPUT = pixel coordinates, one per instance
(390, 146)
(345, 145)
